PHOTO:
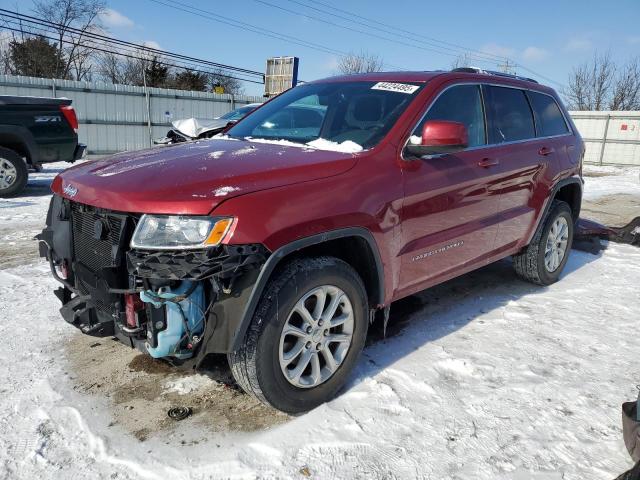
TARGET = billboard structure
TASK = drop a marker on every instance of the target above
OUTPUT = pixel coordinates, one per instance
(281, 75)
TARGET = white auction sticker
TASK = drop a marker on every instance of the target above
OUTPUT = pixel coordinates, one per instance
(395, 87)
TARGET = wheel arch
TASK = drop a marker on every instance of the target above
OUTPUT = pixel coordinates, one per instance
(19, 140)
(344, 243)
(570, 191)
(567, 189)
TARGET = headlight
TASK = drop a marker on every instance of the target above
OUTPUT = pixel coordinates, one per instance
(175, 232)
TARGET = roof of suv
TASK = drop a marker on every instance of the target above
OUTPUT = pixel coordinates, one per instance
(423, 77)
(419, 77)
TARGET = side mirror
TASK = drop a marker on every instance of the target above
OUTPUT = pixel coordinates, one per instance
(438, 137)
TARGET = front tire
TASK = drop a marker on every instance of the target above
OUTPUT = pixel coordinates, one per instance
(13, 173)
(543, 260)
(305, 336)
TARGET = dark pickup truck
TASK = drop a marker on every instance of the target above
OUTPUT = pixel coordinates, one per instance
(34, 131)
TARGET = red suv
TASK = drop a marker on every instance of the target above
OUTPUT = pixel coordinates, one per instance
(278, 242)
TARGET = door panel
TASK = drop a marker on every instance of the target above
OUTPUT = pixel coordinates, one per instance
(449, 217)
(518, 172)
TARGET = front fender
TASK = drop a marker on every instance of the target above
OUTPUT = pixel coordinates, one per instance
(267, 270)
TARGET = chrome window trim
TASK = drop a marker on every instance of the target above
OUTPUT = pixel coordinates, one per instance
(487, 145)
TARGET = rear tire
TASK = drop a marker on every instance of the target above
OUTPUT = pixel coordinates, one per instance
(265, 365)
(13, 173)
(543, 260)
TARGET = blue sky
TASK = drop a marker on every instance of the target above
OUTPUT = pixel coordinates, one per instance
(548, 37)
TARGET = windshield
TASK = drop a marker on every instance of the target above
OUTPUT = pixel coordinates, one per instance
(359, 112)
(238, 113)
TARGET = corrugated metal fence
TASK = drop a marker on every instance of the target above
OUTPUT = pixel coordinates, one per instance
(611, 138)
(114, 118)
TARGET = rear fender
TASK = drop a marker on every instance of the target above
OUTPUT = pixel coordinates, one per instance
(552, 194)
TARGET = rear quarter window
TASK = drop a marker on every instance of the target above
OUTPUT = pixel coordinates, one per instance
(549, 118)
(510, 115)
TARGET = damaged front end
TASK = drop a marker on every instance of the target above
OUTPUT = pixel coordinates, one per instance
(179, 304)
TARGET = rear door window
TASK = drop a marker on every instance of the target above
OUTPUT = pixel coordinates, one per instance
(510, 115)
(462, 104)
(549, 118)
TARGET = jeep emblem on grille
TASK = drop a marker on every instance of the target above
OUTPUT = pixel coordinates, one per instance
(70, 190)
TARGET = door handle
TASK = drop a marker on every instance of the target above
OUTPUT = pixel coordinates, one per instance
(488, 162)
(544, 151)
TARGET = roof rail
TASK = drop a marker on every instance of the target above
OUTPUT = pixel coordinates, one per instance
(493, 72)
(468, 70)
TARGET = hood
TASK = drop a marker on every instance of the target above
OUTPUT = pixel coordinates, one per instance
(194, 127)
(193, 178)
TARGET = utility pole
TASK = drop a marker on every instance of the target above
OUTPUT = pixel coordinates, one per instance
(507, 67)
(147, 101)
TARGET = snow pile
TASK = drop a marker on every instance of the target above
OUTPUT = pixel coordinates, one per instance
(224, 191)
(185, 385)
(346, 147)
(269, 141)
(243, 151)
(319, 144)
(608, 180)
(224, 136)
(217, 154)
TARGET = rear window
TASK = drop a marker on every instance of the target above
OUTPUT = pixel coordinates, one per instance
(548, 115)
(511, 117)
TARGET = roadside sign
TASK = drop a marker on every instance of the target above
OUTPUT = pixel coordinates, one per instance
(281, 75)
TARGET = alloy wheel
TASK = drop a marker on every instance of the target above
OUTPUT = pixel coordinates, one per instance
(556, 246)
(8, 174)
(316, 337)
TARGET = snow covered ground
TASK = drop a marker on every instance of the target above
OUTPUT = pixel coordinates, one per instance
(610, 180)
(484, 377)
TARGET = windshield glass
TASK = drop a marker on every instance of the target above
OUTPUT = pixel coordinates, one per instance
(238, 113)
(359, 112)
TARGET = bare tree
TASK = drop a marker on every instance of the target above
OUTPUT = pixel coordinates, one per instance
(218, 78)
(362, 62)
(114, 68)
(5, 57)
(590, 83)
(625, 93)
(82, 15)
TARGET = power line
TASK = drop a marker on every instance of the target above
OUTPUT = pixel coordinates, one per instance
(206, 14)
(399, 42)
(393, 29)
(243, 25)
(129, 45)
(397, 29)
(126, 55)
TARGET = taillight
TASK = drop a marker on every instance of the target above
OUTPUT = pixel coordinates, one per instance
(133, 305)
(70, 114)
